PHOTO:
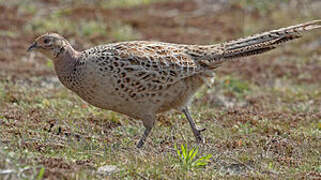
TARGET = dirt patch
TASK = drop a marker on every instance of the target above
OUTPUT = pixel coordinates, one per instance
(263, 72)
(61, 169)
(56, 163)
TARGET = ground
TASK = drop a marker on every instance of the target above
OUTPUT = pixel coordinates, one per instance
(262, 116)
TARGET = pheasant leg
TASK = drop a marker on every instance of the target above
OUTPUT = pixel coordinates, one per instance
(196, 132)
(142, 140)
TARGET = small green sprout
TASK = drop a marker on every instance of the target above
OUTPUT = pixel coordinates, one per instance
(188, 158)
(41, 173)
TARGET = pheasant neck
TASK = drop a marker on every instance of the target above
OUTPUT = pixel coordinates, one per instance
(65, 63)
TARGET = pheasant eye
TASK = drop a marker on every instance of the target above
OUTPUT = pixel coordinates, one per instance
(46, 41)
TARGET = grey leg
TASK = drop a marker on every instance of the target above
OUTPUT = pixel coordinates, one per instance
(196, 132)
(143, 138)
(148, 121)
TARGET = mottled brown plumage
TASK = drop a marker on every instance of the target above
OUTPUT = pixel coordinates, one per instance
(141, 79)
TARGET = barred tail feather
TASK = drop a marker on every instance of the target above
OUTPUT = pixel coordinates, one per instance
(263, 42)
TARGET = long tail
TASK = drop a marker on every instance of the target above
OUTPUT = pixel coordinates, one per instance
(258, 43)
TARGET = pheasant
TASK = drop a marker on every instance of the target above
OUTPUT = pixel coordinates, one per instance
(141, 78)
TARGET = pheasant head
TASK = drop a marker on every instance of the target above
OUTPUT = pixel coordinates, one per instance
(50, 44)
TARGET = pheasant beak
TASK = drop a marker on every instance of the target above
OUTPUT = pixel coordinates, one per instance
(33, 46)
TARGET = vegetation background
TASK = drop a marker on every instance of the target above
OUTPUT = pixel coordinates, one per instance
(262, 116)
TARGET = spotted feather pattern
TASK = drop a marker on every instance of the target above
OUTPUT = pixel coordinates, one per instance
(142, 68)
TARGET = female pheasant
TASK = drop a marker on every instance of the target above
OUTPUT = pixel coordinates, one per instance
(141, 78)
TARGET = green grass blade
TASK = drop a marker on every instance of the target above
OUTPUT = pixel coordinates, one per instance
(41, 173)
(178, 152)
(184, 151)
(194, 154)
(190, 154)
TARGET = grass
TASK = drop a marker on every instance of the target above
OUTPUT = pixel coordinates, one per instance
(188, 159)
(262, 115)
